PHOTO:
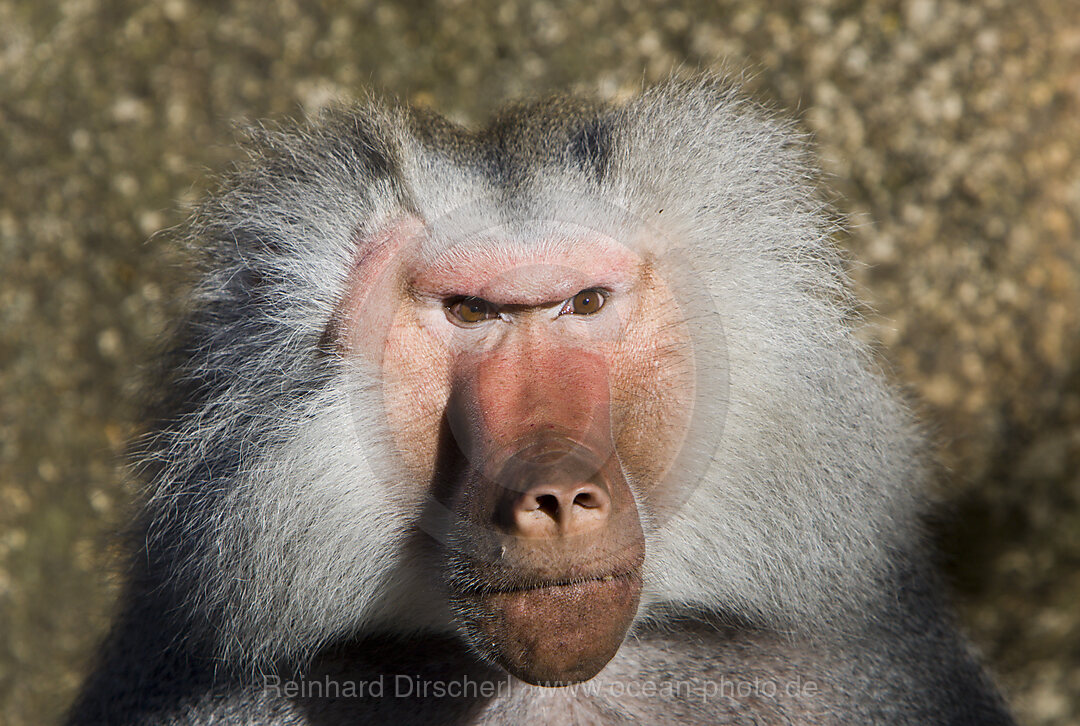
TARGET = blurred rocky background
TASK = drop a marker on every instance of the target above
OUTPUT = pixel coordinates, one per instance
(949, 132)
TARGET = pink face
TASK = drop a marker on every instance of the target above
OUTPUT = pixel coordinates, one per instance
(527, 386)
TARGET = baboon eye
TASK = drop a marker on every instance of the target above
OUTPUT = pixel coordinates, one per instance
(472, 310)
(585, 302)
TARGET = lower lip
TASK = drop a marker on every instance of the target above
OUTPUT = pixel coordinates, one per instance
(559, 633)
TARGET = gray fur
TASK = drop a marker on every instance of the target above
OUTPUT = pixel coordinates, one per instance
(264, 549)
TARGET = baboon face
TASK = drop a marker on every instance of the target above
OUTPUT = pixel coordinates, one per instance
(538, 387)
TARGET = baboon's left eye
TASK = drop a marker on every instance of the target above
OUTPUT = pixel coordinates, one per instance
(585, 302)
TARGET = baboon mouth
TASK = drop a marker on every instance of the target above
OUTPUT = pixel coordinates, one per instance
(614, 579)
(553, 632)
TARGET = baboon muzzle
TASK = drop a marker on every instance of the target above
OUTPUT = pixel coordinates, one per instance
(544, 565)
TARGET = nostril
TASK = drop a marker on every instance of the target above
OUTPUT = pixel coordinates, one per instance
(548, 504)
(588, 500)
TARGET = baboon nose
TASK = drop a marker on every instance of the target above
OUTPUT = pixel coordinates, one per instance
(554, 509)
(554, 487)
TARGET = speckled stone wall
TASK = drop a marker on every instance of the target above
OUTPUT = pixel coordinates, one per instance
(949, 130)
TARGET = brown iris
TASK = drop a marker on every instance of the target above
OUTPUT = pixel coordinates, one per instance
(586, 302)
(473, 310)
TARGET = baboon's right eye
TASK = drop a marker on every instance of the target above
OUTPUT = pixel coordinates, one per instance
(472, 310)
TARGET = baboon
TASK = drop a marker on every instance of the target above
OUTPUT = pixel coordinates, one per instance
(563, 420)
